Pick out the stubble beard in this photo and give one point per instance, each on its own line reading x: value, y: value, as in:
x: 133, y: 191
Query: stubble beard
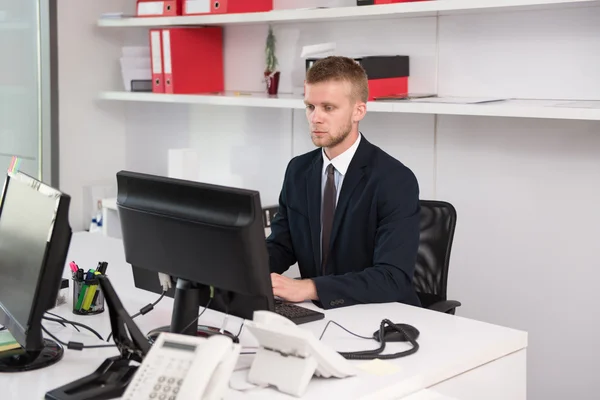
x: 336, y: 139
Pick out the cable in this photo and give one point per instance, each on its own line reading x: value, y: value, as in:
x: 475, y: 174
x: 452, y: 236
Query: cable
x: 240, y: 331
x: 75, y: 323
x: 376, y: 353
x: 143, y: 311
x: 148, y: 307
x: 64, y: 319
x: 76, y: 345
x: 224, y: 319
x: 198, y: 317
x: 212, y: 295
x: 352, y: 333
x: 60, y: 322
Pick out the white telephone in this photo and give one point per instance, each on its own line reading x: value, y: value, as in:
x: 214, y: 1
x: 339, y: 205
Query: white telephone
x: 186, y: 368
x: 288, y: 356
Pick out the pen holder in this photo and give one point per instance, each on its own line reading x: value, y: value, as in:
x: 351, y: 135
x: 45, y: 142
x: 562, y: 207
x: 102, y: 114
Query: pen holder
x: 88, y: 298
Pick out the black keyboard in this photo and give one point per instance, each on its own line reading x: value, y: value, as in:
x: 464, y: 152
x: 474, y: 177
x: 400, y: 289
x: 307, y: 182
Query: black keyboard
x: 298, y: 315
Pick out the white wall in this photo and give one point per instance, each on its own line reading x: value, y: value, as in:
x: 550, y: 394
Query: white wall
x: 524, y: 189
x: 92, y: 140
x: 526, y: 246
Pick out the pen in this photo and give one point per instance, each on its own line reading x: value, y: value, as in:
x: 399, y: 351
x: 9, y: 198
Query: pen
x: 89, y: 296
x: 73, y: 267
x: 81, y: 297
x: 96, y: 294
x: 89, y: 275
x: 102, y: 267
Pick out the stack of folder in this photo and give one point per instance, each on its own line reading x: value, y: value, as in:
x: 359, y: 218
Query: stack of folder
x: 187, y: 60
x: 135, y: 68
x: 171, y: 8
x: 156, y: 8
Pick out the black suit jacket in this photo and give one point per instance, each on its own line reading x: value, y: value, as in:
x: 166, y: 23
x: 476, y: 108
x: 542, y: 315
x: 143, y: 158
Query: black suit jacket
x: 375, y: 232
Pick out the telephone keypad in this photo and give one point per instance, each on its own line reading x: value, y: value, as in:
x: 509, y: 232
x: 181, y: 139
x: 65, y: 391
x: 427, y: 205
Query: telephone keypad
x: 162, y: 376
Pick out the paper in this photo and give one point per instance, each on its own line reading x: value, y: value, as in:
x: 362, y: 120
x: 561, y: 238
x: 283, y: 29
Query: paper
x: 427, y: 394
x: 135, y: 65
x: 303, y: 8
x: 116, y: 15
x: 457, y: 100
x: 321, y: 49
x: 406, y: 96
x: 531, y: 102
x: 379, y: 367
x: 580, y: 104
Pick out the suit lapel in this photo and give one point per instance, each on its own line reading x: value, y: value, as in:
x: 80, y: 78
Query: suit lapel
x: 313, y: 190
x: 355, y: 174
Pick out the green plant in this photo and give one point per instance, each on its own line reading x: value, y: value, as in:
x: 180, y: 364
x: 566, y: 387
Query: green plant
x: 271, y: 58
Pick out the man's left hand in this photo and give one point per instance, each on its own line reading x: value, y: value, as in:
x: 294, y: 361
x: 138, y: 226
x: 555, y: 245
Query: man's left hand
x: 293, y: 290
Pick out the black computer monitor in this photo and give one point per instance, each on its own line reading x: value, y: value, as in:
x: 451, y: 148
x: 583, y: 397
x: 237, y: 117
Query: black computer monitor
x: 200, y: 234
x: 34, y: 241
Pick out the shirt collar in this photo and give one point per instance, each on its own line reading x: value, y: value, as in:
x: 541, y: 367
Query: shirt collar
x: 341, y: 162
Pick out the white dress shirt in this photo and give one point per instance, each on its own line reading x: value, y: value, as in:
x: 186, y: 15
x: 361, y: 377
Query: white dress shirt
x: 340, y: 165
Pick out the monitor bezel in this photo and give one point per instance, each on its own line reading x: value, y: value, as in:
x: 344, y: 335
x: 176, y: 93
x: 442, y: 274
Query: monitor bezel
x: 30, y: 336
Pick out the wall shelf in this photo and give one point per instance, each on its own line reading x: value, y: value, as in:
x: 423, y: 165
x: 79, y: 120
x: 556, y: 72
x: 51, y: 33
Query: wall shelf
x: 548, y: 109
x: 399, y: 10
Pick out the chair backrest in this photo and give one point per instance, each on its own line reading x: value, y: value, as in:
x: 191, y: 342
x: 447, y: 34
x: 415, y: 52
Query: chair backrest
x: 438, y: 221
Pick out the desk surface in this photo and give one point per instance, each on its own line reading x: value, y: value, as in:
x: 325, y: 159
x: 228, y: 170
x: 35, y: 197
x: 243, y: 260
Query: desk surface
x: 449, y: 345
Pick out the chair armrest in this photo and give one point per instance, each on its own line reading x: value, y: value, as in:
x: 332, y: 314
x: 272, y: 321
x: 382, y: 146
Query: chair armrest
x: 446, y: 306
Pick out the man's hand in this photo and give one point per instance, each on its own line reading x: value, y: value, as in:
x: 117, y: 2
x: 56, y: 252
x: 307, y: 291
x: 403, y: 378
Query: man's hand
x: 293, y: 290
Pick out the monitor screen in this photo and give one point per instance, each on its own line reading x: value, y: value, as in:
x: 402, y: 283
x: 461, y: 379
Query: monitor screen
x: 27, y: 215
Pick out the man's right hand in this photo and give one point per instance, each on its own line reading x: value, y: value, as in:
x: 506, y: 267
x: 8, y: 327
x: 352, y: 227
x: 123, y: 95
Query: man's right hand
x: 293, y: 290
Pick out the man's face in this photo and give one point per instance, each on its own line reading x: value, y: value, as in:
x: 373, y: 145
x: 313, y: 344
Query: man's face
x: 329, y: 110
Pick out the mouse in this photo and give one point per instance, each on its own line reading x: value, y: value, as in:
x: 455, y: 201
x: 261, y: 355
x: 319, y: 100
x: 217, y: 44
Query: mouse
x: 392, y: 335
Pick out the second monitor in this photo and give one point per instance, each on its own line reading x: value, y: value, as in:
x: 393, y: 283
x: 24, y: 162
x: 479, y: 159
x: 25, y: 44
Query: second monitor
x: 204, y: 236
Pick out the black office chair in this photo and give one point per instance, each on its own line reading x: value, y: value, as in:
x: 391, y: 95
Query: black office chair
x: 438, y: 220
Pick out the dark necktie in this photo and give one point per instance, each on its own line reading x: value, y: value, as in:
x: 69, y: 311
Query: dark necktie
x: 329, y: 197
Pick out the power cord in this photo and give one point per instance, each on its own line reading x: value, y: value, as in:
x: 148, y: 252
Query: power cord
x: 237, y: 337
x: 241, y: 328
x: 76, y: 345
x: 212, y: 295
x: 63, y: 319
x: 198, y: 317
x: 74, y: 324
x: 143, y: 311
x: 376, y: 353
x: 148, y: 307
x: 335, y: 323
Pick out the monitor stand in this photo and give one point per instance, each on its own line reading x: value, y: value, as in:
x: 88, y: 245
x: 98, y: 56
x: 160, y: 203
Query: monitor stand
x: 31, y: 360
x: 187, y: 301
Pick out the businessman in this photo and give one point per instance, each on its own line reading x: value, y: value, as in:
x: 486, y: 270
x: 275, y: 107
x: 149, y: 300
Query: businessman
x: 348, y: 212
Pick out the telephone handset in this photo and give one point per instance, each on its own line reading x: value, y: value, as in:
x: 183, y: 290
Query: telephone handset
x: 185, y: 367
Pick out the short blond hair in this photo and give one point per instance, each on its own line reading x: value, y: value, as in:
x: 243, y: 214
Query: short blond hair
x: 338, y: 68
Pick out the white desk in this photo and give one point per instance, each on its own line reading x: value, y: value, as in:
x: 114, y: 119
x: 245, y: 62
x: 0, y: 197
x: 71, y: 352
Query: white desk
x: 458, y: 357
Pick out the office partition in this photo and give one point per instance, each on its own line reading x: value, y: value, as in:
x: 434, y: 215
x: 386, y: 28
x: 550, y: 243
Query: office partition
x: 28, y: 87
